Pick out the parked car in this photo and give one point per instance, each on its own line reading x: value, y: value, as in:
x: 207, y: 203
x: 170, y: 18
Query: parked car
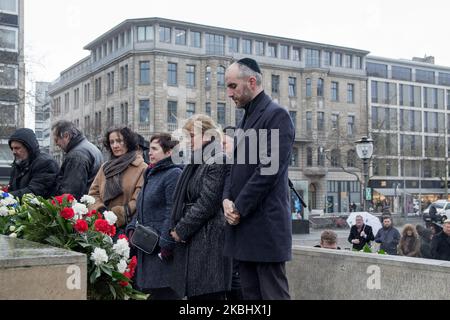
x: 442, y: 211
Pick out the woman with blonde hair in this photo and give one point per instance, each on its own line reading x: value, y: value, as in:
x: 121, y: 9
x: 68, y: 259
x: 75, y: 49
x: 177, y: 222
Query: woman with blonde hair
x: 201, y: 272
x: 409, y: 244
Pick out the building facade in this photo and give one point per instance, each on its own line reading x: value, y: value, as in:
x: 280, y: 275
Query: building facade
x: 410, y: 123
x: 42, y: 108
x: 12, y: 75
x: 152, y: 73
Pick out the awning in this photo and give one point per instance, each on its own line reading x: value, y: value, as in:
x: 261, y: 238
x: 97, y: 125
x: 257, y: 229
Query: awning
x: 390, y: 192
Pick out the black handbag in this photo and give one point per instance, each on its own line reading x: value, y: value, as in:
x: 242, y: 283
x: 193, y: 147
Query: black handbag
x: 145, y: 238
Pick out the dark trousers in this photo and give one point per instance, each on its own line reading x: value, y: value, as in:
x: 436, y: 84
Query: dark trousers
x: 236, y: 292
x: 162, y: 294
x: 264, y: 281
x: 209, y: 297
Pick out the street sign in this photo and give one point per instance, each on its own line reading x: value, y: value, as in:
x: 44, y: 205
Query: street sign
x: 368, y: 194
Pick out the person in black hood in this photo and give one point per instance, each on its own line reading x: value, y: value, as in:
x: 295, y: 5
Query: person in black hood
x: 81, y: 163
x: 33, y: 171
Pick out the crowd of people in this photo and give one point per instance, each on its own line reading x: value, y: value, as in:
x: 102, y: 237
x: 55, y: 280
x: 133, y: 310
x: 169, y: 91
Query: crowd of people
x: 224, y: 229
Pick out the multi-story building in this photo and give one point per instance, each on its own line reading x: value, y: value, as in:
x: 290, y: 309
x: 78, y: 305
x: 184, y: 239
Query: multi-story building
x: 151, y: 73
x: 42, y: 116
x: 410, y: 123
x: 12, y: 74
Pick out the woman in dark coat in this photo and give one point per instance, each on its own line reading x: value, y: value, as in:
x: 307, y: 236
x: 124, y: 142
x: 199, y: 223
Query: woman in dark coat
x: 201, y: 271
x: 409, y: 244
x: 154, y: 207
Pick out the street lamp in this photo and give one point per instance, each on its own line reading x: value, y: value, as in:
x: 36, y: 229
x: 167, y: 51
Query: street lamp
x: 364, y: 149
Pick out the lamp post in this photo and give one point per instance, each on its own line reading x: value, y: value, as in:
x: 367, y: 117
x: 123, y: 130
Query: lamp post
x: 364, y: 149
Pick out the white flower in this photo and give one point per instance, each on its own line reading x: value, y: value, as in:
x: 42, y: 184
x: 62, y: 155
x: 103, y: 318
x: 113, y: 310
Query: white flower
x: 99, y: 256
x: 122, y: 266
x: 110, y: 217
x: 12, y: 229
x: 79, y: 209
x: 8, y: 201
x: 13, y: 235
x: 88, y: 200
x: 122, y: 248
x: 4, y: 212
x: 35, y: 201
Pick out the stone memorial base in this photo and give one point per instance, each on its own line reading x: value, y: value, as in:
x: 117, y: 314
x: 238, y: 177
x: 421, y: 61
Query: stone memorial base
x: 32, y: 271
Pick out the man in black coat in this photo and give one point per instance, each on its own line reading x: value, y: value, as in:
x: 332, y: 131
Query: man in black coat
x: 33, y: 171
x: 256, y: 196
x: 440, y: 245
x: 81, y: 161
x: 360, y: 234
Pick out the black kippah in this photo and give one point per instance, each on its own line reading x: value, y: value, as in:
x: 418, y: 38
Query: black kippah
x: 252, y: 64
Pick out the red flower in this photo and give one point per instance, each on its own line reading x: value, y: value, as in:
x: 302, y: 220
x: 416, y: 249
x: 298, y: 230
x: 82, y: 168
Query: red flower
x: 60, y: 199
x: 103, y: 226
x: 122, y: 236
x: 132, y: 265
x: 81, y: 226
x: 125, y: 283
x: 67, y: 213
x: 5, y: 188
x: 92, y: 213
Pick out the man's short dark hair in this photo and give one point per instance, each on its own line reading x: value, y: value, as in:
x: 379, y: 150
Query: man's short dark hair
x: 63, y: 126
x: 129, y: 137
x: 165, y: 140
x: 328, y: 236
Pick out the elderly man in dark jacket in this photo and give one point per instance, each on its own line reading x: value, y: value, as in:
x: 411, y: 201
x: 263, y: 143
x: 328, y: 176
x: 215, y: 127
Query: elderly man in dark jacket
x: 256, y: 197
x: 33, y: 171
x: 81, y: 162
x: 440, y: 245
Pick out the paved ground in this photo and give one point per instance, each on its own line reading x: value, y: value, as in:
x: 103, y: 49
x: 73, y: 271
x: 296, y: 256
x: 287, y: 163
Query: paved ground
x: 312, y: 239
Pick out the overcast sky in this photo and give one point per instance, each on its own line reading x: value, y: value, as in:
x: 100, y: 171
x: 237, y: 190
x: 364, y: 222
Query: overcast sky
x: 56, y: 31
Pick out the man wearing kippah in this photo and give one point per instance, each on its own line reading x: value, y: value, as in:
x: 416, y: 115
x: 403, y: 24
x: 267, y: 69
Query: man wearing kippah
x: 256, y: 203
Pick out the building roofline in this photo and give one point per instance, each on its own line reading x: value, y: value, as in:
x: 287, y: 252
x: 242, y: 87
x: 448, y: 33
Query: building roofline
x: 407, y: 62
x: 75, y: 64
x: 127, y: 22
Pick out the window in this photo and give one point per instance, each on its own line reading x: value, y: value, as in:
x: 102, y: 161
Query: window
x: 308, y: 121
x: 272, y: 50
x: 196, y: 39
x: 110, y: 77
x: 221, y: 114
x: 444, y: 79
x: 124, y: 76
x: 293, y: 115
x: 312, y: 58
x: 320, y: 121
x: 144, y: 72
x: 335, y: 158
x: 296, y: 54
x: 320, y: 84
x: 246, y: 46
x: 144, y: 111
x: 401, y: 73
x: 110, y: 117
x: 335, y: 122
x: 309, y: 157
x: 221, y: 76
x: 374, y: 88
x: 424, y: 76
x: 145, y: 33
x: 348, y: 61
x: 215, y: 44
x: 9, y: 6
x: 164, y: 34
x: 190, y: 76
x: 327, y: 59
x: 172, y: 74
x: 233, y: 45
x: 180, y: 37
x: 338, y: 59
x: 98, y: 88
x: 308, y: 88
x: 76, y: 98
x: 172, y: 112
x: 284, y: 52
x: 9, y: 39
x: 124, y: 113
x: 376, y: 70
x: 87, y: 93
x: 8, y: 76
x: 259, y: 48
x: 334, y: 91
x: 208, y: 77
x: 351, y: 126
x: 190, y: 109
x: 358, y: 62
x: 292, y: 87
x: 275, y: 84
x: 294, y: 158
x: 320, y: 157
x: 350, y: 93
x: 208, y: 108
x: 66, y: 102
x: 351, y: 159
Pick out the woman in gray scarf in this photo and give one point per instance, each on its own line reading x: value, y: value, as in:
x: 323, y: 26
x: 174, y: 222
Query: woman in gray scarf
x: 119, y: 181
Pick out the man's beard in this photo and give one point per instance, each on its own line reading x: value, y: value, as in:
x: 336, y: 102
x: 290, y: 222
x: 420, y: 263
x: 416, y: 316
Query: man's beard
x: 18, y: 161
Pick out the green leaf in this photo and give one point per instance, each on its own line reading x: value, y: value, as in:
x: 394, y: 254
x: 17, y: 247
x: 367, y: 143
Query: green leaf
x: 107, y: 269
x: 113, y: 291
x: 381, y: 251
x: 119, y: 276
x: 367, y: 249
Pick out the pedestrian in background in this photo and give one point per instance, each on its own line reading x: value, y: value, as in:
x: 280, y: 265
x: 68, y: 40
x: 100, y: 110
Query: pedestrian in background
x: 388, y: 237
x: 82, y: 160
x: 440, y: 245
x: 119, y: 181
x: 425, y: 241
x: 409, y: 242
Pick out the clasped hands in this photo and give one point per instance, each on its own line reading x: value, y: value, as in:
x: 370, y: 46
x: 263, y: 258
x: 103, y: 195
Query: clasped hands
x: 232, y: 216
